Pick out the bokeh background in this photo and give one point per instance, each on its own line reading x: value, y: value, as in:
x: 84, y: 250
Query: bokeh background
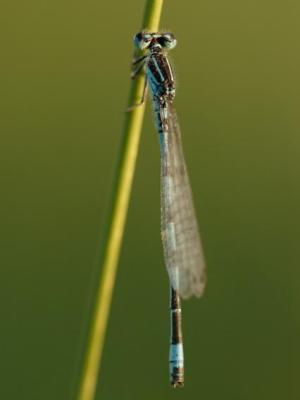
x: 64, y: 87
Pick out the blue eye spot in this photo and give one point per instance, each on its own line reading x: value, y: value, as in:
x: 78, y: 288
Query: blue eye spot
x: 167, y: 40
x: 142, y: 40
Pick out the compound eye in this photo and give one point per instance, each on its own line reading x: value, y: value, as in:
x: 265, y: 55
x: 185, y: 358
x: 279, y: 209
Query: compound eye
x: 167, y: 40
x: 142, y: 40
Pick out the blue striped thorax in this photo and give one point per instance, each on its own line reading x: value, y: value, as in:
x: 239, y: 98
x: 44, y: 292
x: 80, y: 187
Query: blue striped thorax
x: 159, y: 73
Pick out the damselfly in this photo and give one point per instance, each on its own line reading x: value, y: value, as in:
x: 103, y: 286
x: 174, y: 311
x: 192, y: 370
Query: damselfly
x: 180, y: 236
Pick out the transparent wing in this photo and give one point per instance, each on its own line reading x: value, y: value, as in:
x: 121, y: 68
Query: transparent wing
x: 180, y: 235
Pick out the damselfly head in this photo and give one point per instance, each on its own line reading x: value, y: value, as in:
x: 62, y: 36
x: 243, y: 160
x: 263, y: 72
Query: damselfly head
x: 144, y: 40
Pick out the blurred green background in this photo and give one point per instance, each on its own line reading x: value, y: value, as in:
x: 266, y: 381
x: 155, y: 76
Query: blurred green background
x: 64, y: 86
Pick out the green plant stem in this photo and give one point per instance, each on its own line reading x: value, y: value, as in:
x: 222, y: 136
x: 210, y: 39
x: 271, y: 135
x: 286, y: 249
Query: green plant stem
x: 116, y: 223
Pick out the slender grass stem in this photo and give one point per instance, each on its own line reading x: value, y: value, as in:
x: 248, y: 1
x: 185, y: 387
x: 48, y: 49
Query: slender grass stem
x: 116, y: 222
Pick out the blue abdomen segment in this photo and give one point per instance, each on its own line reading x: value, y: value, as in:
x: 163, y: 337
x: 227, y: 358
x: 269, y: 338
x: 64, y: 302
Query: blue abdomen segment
x: 176, y: 362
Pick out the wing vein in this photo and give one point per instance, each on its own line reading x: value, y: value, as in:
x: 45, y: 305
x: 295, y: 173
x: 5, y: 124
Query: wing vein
x: 180, y: 235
